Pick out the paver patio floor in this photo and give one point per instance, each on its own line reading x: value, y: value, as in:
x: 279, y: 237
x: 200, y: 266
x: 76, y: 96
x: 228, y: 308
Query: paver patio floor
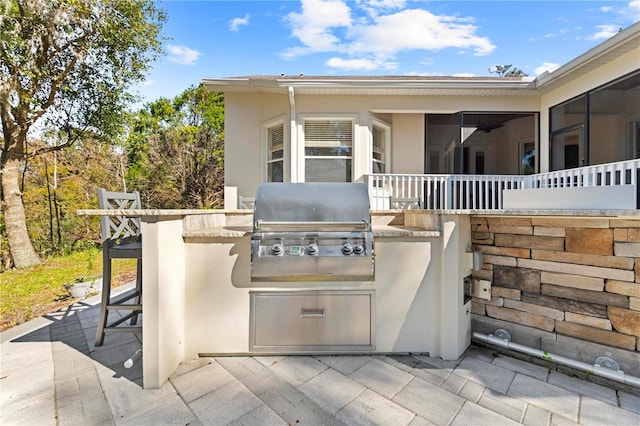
x: 51, y: 373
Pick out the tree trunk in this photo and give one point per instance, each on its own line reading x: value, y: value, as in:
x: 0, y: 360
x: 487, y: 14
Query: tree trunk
x: 20, y: 246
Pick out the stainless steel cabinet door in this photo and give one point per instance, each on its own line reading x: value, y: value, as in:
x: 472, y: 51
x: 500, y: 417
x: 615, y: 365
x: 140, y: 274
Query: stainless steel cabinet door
x: 315, y: 320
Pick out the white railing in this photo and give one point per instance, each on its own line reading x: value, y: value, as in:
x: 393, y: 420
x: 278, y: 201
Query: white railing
x: 484, y: 192
x: 620, y: 173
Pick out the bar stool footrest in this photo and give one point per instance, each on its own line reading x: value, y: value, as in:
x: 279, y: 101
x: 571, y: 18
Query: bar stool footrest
x: 127, y: 329
x: 132, y: 307
x: 120, y: 300
x: 121, y: 320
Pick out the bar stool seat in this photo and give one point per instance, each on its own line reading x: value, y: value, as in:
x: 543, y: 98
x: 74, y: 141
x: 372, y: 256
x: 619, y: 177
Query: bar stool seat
x: 121, y: 239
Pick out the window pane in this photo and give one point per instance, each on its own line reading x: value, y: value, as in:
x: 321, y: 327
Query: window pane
x: 328, y: 138
x: 276, y: 172
x: 276, y: 155
x: 327, y: 152
x: 379, y: 142
x: 378, y: 167
x: 568, y: 114
x: 328, y: 133
x: 328, y: 170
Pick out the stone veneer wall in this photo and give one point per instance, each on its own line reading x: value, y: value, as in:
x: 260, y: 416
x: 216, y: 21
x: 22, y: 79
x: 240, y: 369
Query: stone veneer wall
x: 568, y: 285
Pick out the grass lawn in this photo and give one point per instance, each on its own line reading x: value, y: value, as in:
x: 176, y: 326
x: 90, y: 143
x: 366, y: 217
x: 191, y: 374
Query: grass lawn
x: 36, y: 291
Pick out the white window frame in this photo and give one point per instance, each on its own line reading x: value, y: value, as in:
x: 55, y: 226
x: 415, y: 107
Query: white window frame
x: 266, y: 149
x: 302, y: 157
x: 386, y: 127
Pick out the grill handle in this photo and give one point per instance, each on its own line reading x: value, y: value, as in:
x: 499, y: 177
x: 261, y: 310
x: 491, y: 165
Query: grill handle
x: 312, y: 313
x: 311, y: 225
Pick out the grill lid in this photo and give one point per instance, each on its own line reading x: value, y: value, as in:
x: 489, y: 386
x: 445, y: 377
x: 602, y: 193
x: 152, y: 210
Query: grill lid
x: 312, y: 205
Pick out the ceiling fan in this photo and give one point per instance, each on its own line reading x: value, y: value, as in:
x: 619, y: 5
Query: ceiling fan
x: 487, y: 128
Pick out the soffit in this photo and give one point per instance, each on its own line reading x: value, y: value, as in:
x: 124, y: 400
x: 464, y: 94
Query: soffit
x: 377, y: 86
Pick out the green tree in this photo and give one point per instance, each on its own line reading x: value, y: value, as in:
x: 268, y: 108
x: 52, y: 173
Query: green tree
x: 66, y: 66
x: 507, y: 71
x: 59, y: 183
x: 176, y: 151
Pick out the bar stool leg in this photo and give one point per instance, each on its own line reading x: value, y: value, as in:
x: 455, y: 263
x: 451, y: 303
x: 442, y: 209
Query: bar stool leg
x: 138, y: 299
x: 106, y: 295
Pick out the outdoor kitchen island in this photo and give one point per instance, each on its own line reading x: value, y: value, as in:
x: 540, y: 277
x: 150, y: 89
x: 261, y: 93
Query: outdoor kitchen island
x: 198, y: 295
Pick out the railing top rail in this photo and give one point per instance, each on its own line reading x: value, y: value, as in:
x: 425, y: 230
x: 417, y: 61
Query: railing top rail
x: 441, y: 175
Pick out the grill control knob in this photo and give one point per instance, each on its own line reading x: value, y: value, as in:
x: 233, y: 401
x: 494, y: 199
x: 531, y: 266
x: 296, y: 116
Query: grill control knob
x: 358, y: 249
x: 277, y: 249
x: 347, y: 249
x: 312, y: 249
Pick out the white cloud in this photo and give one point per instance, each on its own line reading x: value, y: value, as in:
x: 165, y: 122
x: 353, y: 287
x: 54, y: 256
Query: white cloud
x: 374, y: 7
x: 632, y: 11
x: 385, y: 4
x: 182, y: 55
x: 546, y: 66
x: 235, y: 23
x: 606, y: 9
x: 418, y: 29
x: 313, y: 26
x: 557, y: 34
x: 606, y: 31
x: 361, y: 64
x: 332, y: 26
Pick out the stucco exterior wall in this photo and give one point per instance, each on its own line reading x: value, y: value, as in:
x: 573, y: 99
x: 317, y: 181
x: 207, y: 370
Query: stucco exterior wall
x: 247, y: 113
x: 407, y: 143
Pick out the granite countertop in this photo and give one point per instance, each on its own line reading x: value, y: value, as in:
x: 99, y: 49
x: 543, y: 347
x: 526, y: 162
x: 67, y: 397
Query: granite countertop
x: 245, y: 231
x: 146, y: 212
x: 544, y: 212
x: 190, y: 212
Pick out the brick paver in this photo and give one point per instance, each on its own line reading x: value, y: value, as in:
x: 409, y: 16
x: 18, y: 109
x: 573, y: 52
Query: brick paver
x: 51, y: 373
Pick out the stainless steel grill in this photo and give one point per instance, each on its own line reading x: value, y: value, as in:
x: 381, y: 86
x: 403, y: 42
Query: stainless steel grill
x: 312, y: 232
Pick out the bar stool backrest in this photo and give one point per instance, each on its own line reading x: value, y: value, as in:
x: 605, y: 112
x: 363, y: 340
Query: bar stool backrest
x: 119, y: 229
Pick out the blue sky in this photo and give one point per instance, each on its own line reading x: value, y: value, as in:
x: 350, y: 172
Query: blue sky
x: 375, y: 37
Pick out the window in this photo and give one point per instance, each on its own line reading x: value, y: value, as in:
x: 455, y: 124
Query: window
x: 527, y: 157
x: 593, y: 128
x: 379, y: 151
x: 275, y: 153
x: 328, y: 150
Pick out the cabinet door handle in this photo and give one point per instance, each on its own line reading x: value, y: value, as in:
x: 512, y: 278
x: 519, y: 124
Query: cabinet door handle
x: 312, y: 313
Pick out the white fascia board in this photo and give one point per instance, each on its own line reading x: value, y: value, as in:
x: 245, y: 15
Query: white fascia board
x: 328, y: 83
x: 407, y: 84
x: 242, y: 84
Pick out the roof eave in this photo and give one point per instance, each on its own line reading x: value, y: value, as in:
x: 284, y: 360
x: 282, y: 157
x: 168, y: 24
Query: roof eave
x: 246, y: 84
